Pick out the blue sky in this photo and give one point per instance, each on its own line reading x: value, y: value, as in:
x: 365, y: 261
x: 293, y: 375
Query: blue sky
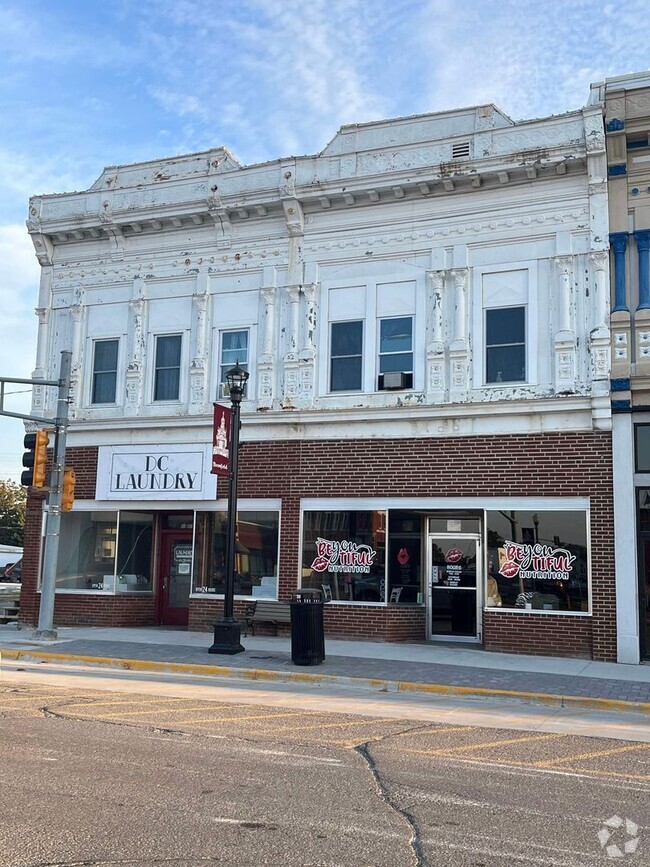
x: 87, y: 84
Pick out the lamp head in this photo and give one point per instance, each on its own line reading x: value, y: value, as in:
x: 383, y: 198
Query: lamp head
x: 236, y: 379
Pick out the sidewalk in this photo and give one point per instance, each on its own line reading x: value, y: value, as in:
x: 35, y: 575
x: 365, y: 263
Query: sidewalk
x: 420, y: 667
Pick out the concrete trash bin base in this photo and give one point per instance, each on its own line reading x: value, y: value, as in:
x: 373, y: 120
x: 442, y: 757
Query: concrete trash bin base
x: 307, y: 629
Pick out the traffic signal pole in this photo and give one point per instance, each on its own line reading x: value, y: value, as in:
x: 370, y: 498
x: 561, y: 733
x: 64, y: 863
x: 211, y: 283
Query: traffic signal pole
x: 53, y: 516
x: 53, y: 509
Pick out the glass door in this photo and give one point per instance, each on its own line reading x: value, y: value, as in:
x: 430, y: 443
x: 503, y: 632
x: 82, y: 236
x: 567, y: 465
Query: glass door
x: 175, y: 577
x: 454, y: 582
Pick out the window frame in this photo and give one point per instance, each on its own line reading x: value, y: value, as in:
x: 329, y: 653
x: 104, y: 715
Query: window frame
x: 486, y: 347
x: 534, y: 365
x: 95, y: 342
x: 409, y: 373
x: 359, y: 355
x: 220, y: 365
x: 155, y: 368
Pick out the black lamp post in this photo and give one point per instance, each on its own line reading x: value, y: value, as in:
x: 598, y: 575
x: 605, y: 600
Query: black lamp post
x: 227, y: 631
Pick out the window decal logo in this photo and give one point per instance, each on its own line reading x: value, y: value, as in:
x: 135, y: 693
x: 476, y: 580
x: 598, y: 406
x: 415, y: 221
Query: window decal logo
x: 342, y: 557
x: 535, y: 562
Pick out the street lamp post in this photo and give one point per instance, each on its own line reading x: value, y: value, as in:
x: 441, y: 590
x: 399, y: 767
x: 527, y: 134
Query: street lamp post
x: 227, y: 631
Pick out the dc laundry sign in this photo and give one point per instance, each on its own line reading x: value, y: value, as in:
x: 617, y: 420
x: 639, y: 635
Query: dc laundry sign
x: 154, y: 473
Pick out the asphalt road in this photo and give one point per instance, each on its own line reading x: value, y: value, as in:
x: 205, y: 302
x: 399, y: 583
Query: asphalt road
x: 91, y: 777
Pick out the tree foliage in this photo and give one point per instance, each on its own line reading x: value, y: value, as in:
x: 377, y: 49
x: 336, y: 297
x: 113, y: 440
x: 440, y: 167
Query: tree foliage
x: 13, y: 502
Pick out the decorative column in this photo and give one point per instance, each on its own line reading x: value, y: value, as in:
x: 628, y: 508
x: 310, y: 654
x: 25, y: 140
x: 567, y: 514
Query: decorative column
x: 643, y: 248
x: 77, y: 312
x: 199, y: 360
x: 38, y: 391
x: 564, y: 342
x: 136, y: 346
x: 291, y: 363
x: 599, y: 338
x: 458, y: 349
x: 642, y: 315
x: 436, y: 374
x: 619, y: 242
x: 308, y: 353
x: 266, y: 365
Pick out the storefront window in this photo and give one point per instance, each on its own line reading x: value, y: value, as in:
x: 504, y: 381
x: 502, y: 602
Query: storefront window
x: 537, y: 560
x: 344, y: 555
x: 134, y: 552
x: 87, y: 549
x: 404, y: 557
x: 256, y: 554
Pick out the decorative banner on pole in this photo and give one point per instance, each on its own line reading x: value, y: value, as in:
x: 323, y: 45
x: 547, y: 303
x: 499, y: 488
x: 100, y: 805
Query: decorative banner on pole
x: 221, y: 440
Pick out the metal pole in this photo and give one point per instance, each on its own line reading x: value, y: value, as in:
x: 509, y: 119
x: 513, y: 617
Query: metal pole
x: 227, y: 631
x: 231, y: 542
x: 53, y: 514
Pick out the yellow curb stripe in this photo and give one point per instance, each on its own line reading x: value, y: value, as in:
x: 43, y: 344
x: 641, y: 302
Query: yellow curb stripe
x: 549, y: 763
x: 604, y: 704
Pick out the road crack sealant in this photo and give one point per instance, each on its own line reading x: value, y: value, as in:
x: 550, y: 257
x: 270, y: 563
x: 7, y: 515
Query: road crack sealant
x: 415, y: 840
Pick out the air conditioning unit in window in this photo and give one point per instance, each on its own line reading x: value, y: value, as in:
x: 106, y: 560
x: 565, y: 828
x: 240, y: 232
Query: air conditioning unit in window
x: 390, y: 381
x: 224, y: 389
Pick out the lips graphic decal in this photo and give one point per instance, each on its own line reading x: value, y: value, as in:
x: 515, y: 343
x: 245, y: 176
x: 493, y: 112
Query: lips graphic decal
x: 320, y: 564
x: 509, y: 569
x: 454, y: 555
x: 403, y: 556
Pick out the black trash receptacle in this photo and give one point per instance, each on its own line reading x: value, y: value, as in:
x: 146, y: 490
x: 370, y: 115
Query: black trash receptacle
x: 307, y: 630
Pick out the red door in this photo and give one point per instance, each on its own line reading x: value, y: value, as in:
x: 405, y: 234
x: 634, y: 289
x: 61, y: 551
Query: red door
x: 175, y: 577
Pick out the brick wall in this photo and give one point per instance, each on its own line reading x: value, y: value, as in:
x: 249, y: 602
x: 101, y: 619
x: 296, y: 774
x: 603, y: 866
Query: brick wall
x: 541, y: 465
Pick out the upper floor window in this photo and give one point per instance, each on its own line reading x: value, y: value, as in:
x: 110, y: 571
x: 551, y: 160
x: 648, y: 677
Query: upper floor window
x: 346, y: 355
x: 396, y: 352
x: 104, y: 382
x: 505, y: 344
x: 167, y: 367
x: 234, y: 350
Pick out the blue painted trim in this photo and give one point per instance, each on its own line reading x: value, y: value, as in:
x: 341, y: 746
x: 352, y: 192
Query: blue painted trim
x: 621, y: 404
x: 618, y: 241
x: 620, y: 384
x: 642, y: 239
x: 615, y: 125
x: 613, y: 171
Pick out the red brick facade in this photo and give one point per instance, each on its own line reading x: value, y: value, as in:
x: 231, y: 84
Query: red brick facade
x: 539, y: 465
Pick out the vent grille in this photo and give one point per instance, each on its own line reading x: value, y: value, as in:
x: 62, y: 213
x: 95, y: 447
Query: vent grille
x: 460, y: 150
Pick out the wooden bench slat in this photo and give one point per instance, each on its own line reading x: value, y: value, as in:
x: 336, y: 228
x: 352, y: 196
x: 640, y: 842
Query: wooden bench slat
x: 267, y: 611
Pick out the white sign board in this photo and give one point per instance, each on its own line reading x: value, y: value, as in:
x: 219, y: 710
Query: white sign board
x: 178, y: 472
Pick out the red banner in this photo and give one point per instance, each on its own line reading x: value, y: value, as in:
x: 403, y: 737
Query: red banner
x: 221, y: 440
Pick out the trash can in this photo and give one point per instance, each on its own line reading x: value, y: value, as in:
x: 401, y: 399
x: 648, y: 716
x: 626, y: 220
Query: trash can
x: 307, y: 631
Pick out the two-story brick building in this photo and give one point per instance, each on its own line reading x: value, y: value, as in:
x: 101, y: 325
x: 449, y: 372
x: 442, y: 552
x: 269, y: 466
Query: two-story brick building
x: 423, y: 311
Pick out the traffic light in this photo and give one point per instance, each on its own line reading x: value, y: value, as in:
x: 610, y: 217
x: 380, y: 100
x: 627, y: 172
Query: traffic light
x: 35, y: 459
x: 67, y: 494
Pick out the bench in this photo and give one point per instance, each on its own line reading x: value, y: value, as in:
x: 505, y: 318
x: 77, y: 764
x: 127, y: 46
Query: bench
x: 267, y: 611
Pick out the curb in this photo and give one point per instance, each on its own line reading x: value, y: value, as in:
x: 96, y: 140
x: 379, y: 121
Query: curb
x: 379, y: 684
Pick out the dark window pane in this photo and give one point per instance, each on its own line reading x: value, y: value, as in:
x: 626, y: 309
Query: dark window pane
x: 346, y: 374
x: 506, y: 364
x: 401, y: 362
x: 104, y: 388
x: 105, y: 355
x: 396, y: 335
x: 347, y: 338
x: 234, y: 350
x: 167, y: 384
x: 642, y: 434
x: 505, y: 325
x: 168, y: 351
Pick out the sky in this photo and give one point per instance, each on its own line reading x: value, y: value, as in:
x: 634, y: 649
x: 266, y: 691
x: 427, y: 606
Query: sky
x: 86, y: 84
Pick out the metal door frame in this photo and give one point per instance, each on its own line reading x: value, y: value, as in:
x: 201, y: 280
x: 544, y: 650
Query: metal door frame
x: 467, y: 639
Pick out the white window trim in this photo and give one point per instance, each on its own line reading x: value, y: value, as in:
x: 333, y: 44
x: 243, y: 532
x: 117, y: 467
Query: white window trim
x: 363, y: 357
x: 249, y: 366
x: 183, y: 333
x: 531, y: 323
x: 119, y: 378
x: 378, y: 321
x: 215, y: 375
x: 370, y: 358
